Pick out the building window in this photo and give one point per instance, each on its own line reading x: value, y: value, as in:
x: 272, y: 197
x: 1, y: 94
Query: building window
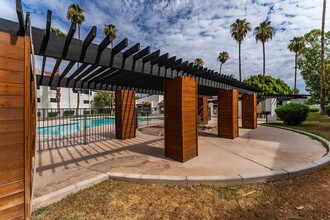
x: 52, y: 88
x: 86, y: 101
x: 86, y: 92
x: 90, y: 92
x: 52, y: 99
x: 38, y: 99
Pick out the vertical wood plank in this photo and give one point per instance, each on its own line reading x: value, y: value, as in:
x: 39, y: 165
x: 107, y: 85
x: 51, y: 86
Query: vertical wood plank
x: 180, y: 105
x: 249, y: 111
x: 203, y: 110
x: 125, y: 114
x: 228, y: 114
x: 27, y: 127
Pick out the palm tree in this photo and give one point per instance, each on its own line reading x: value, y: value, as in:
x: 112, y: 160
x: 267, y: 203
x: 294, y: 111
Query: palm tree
x: 110, y: 29
x: 222, y: 58
x: 198, y: 62
x: 322, y: 86
x: 264, y: 32
x: 296, y: 44
x: 76, y: 14
x: 58, y: 89
x: 239, y: 30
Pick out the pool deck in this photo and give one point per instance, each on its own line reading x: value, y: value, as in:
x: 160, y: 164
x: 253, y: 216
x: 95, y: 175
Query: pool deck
x: 258, y: 155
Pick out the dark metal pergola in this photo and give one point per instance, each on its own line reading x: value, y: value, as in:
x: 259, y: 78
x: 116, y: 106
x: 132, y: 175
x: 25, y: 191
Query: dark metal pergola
x: 103, y: 68
x: 281, y: 97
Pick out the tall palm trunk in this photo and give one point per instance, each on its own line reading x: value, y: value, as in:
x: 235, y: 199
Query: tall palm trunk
x: 239, y: 62
x: 78, y: 95
x: 263, y: 69
x: 220, y: 67
x: 295, y: 75
x: 322, y: 88
x: 58, y: 100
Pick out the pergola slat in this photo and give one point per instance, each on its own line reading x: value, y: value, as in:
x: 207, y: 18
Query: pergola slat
x: 42, y: 70
x: 65, y: 72
x: 141, y: 53
x: 48, y: 24
x: 56, y: 66
x: 159, y: 59
x: 151, y: 56
x: 77, y: 72
x: 20, y: 17
x: 131, y: 50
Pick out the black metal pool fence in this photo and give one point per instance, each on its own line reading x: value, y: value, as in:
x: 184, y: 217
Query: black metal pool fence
x: 65, y: 127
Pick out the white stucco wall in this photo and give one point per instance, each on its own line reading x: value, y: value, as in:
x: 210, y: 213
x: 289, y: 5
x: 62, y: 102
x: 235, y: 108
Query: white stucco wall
x: 68, y: 98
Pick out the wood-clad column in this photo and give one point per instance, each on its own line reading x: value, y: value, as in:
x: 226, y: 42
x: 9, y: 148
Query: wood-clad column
x: 249, y: 111
x: 15, y: 127
x: 228, y: 113
x: 125, y: 114
x: 203, y: 110
x: 180, y: 114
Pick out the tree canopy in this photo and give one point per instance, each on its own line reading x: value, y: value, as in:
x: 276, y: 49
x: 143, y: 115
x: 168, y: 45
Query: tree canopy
x: 102, y: 99
x: 309, y: 63
x: 273, y: 86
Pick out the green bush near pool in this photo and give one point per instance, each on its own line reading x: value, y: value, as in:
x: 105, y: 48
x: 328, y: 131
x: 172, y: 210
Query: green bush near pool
x: 292, y: 114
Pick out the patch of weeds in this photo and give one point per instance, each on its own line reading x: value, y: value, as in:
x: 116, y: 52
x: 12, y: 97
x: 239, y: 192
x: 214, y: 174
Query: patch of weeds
x: 228, y: 193
x: 40, y: 211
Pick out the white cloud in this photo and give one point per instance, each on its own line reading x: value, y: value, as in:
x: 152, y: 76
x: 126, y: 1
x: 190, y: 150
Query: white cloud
x: 193, y: 28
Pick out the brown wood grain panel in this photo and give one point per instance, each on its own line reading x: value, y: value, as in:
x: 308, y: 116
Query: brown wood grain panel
x: 7, y: 76
x: 11, y: 64
x: 11, y: 114
x: 125, y: 114
x: 14, y: 107
x: 11, y: 126
x: 11, y: 101
x: 15, y: 212
x: 11, y: 89
x: 12, y: 200
x: 11, y: 188
x: 10, y: 39
x: 249, y: 111
x: 180, y: 118
x: 228, y: 114
x: 16, y: 138
x: 10, y: 51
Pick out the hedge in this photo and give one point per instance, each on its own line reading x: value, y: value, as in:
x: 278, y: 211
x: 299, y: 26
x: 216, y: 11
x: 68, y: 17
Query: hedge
x: 292, y: 114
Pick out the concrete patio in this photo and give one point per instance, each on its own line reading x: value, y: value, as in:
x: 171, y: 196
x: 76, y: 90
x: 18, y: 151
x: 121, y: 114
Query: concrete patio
x: 262, y: 154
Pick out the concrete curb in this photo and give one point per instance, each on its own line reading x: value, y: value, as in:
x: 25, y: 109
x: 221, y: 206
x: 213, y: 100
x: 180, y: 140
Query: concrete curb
x: 193, y: 180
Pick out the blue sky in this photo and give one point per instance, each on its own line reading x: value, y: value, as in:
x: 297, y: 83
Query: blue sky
x: 193, y: 28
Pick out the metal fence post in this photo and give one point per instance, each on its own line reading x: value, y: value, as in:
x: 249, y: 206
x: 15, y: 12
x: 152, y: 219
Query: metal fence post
x: 85, y: 128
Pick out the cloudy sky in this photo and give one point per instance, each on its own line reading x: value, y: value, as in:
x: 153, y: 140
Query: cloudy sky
x: 193, y: 28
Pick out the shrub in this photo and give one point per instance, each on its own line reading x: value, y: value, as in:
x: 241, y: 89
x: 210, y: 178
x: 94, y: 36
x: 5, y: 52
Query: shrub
x: 68, y: 112
x: 52, y: 114
x: 314, y: 109
x: 145, y: 113
x: 292, y: 114
x: 327, y: 109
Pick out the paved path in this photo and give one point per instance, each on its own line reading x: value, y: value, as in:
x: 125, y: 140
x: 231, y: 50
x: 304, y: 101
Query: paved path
x: 260, y: 152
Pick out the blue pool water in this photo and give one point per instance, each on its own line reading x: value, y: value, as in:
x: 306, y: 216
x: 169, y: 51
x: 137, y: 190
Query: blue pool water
x: 79, y: 125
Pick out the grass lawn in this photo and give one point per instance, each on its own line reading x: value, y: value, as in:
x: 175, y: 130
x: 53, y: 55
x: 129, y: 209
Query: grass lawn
x: 304, y: 197
x: 316, y: 123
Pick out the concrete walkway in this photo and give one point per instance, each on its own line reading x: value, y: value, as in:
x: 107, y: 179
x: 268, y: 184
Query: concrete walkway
x: 265, y: 153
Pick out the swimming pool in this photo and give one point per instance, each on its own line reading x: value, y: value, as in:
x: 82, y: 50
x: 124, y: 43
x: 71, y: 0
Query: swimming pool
x: 79, y: 124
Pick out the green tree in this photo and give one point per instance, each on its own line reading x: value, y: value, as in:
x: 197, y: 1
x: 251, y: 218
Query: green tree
x: 222, y: 58
x: 309, y: 63
x: 110, y: 29
x: 57, y: 31
x: 273, y: 86
x: 76, y: 14
x: 238, y: 31
x: 322, y: 83
x: 296, y: 44
x: 198, y: 62
x: 264, y: 32
x: 102, y: 99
